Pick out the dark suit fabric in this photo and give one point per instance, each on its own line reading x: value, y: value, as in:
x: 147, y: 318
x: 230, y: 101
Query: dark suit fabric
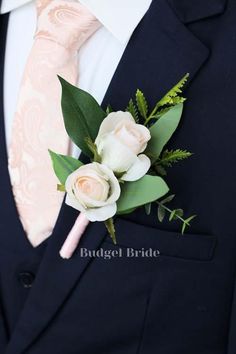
x: 183, y: 301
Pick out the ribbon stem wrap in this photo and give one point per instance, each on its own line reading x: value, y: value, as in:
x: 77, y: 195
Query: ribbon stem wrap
x: 73, y: 238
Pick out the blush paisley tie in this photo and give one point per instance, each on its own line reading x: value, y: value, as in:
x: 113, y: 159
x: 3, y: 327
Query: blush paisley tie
x: 62, y: 28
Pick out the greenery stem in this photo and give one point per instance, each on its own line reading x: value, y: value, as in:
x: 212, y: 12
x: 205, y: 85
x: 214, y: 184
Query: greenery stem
x: 170, y: 211
x: 185, y: 222
x: 152, y: 115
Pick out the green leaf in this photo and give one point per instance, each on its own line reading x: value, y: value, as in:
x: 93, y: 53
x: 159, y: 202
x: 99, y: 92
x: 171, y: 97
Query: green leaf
x: 179, y: 213
x: 168, y: 199
x: 190, y: 219
x: 161, y: 212
x: 111, y: 229
x: 168, y: 158
x: 64, y: 165
x: 125, y: 212
x: 148, y: 208
x: 160, y: 170
x: 132, y: 109
x: 82, y: 115
x: 175, y: 214
x: 187, y: 223
x: 162, y: 131
x: 138, y: 193
x: 142, y: 104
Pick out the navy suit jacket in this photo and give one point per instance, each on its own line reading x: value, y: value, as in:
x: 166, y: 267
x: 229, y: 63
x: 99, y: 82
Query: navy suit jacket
x: 183, y: 301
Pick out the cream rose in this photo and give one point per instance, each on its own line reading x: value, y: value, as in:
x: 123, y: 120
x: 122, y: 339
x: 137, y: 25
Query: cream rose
x: 120, y: 142
x: 93, y: 189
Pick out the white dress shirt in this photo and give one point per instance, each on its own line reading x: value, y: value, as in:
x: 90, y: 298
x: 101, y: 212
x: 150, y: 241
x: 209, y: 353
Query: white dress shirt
x: 98, y: 58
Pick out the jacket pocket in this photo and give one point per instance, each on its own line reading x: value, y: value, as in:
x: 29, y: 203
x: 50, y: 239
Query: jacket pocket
x: 173, y: 244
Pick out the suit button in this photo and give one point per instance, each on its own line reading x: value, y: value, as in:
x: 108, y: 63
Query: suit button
x: 26, y: 279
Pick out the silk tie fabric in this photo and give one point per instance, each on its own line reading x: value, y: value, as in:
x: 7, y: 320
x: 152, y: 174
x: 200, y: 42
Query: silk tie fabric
x: 62, y: 28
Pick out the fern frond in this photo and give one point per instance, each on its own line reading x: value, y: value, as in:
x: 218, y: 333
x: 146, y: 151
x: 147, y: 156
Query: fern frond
x: 172, y: 98
x: 163, y: 110
x: 177, y: 100
x: 173, y: 93
x: 142, y: 104
x: 132, y: 109
x: 168, y: 158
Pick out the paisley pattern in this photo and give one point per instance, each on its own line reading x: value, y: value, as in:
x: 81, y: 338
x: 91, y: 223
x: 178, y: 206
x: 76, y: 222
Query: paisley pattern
x: 63, y: 26
x: 60, y: 24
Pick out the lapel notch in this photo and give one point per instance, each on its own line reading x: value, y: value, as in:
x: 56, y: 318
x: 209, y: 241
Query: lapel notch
x: 195, y: 10
x: 161, y: 51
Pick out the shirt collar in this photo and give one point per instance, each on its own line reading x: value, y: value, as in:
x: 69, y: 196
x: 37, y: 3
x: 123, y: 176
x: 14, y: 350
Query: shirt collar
x: 9, y: 5
x: 120, y: 17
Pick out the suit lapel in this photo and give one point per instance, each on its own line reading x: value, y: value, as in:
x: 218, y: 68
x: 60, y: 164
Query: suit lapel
x: 190, y: 11
x: 160, y: 52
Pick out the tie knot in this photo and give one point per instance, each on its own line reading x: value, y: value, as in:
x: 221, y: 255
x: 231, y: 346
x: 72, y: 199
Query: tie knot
x: 65, y: 22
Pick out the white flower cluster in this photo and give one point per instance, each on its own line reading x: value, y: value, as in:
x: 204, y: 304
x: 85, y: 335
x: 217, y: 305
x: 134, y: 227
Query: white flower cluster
x: 94, y: 189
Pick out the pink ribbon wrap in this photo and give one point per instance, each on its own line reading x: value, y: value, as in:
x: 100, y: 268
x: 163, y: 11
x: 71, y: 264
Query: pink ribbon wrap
x: 73, y: 238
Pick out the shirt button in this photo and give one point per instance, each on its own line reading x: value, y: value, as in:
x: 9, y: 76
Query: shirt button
x: 26, y: 279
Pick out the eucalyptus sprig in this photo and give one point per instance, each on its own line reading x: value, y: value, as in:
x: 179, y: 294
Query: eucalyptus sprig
x: 174, y: 214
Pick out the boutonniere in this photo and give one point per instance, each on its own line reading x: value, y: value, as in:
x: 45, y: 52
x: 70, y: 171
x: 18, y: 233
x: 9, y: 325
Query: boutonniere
x: 128, y: 161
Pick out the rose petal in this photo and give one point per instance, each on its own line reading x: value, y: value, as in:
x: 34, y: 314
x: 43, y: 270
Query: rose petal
x: 94, y: 179
x: 111, y: 121
x: 115, y: 155
x: 81, y: 201
x: 101, y: 214
x: 73, y: 202
x: 145, y: 134
x: 94, y: 210
x: 138, y: 169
